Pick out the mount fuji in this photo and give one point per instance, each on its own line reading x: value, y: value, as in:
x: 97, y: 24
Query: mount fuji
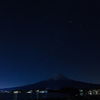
x: 55, y: 82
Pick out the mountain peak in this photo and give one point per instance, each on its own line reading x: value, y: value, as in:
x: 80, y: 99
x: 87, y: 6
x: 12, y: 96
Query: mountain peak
x: 57, y: 77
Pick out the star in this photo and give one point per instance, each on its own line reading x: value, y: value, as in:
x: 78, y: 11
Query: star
x: 70, y: 21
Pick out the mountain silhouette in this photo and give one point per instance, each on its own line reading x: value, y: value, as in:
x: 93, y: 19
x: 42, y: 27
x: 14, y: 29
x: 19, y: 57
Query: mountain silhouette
x: 55, y: 82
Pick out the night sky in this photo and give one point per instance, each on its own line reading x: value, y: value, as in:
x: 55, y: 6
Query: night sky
x: 39, y: 38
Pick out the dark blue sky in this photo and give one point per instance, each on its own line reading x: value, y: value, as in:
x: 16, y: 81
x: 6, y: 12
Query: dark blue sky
x: 39, y: 38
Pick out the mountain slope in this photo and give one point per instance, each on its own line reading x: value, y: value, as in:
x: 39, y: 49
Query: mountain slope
x: 55, y: 82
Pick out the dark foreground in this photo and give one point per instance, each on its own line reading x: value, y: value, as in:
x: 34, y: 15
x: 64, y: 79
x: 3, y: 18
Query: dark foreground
x: 74, y: 98
x: 49, y: 97
x: 67, y: 98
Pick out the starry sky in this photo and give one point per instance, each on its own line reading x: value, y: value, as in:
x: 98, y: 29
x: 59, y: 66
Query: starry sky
x: 39, y: 38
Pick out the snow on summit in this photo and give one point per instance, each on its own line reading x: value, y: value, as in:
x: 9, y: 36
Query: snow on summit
x: 57, y: 77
